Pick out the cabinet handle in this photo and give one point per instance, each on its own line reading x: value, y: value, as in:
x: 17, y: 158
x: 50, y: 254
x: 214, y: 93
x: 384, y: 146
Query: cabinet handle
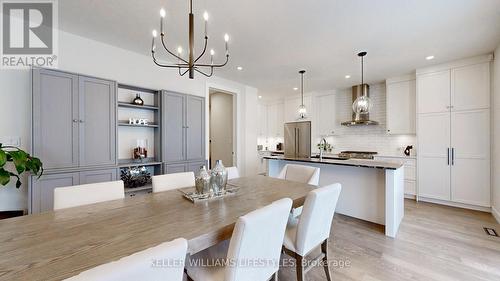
x: 75, y: 121
x: 81, y: 121
x: 453, y: 156
x: 448, y: 156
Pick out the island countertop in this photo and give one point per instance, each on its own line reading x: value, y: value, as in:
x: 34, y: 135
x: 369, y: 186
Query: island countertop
x: 364, y: 163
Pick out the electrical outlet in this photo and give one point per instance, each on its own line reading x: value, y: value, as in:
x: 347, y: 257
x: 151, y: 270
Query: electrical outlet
x: 11, y: 141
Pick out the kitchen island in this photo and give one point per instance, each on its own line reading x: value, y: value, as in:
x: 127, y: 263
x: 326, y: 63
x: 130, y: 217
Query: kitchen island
x: 371, y: 190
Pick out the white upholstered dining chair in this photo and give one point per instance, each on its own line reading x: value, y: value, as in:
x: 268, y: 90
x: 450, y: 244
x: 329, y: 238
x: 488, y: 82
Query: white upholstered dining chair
x: 172, y: 181
x: 257, y: 237
x: 300, y: 173
x: 232, y: 173
x: 312, y: 229
x: 78, y: 195
x: 162, y: 262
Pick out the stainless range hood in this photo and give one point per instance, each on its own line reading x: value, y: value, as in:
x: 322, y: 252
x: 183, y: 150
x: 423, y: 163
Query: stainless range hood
x: 360, y: 119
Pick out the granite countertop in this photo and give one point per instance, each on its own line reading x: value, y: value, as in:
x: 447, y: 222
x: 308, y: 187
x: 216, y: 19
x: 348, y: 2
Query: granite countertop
x: 349, y: 162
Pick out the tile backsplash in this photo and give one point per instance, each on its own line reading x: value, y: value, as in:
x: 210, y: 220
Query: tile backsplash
x: 367, y: 138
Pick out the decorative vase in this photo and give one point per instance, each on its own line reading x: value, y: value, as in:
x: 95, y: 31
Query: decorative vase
x: 138, y: 100
x: 218, y: 180
x: 202, y: 181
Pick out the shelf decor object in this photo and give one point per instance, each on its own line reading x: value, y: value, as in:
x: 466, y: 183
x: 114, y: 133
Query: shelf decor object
x: 135, y: 177
x: 302, y: 108
x: 138, y: 100
x: 141, y: 150
x: 191, y: 64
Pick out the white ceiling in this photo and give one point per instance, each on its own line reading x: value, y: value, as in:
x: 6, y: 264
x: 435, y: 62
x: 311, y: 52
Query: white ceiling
x: 272, y: 40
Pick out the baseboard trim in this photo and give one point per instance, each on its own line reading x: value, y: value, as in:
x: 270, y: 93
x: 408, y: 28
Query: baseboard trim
x: 454, y: 204
x: 495, y: 213
x: 410, y: 196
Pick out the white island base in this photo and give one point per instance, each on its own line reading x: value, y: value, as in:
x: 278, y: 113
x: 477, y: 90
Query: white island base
x: 372, y: 193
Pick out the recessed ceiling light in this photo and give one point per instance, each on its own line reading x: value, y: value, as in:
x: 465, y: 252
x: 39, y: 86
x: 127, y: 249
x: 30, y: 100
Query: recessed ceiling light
x: 429, y: 57
x: 260, y: 97
x: 295, y: 89
x: 239, y: 68
x: 347, y: 76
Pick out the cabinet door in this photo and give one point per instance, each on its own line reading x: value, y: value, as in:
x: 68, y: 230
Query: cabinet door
x: 55, y: 118
x: 42, y: 190
x: 401, y: 105
x: 433, y: 158
x: 280, y: 119
x: 262, y: 117
x: 433, y: 92
x: 325, y: 116
x: 175, y: 168
x: 88, y: 177
x: 470, y: 172
x: 173, y: 146
x: 97, y: 122
x: 471, y: 87
x: 272, y: 119
x: 195, y: 128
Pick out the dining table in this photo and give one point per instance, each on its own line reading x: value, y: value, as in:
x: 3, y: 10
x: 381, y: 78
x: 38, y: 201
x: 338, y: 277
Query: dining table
x: 56, y: 245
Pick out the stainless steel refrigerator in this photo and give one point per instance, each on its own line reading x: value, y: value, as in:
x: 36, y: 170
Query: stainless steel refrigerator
x: 298, y: 139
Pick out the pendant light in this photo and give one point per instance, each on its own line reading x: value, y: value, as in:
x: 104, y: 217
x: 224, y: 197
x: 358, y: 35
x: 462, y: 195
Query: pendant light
x: 302, y: 108
x: 362, y: 105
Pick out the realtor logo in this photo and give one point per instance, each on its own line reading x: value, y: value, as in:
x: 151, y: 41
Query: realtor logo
x: 29, y: 33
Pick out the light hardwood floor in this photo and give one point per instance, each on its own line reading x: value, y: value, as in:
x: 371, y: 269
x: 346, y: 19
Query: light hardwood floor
x: 434, y: 243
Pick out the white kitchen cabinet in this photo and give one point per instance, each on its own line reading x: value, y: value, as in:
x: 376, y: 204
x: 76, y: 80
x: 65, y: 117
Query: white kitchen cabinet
x: 433, y: 92
x: 470, y: 173
x: 262, y: 120
x: 325, y: 118
x: 292, y: 107
x: 275, y: 120
x: 410, y: 168
x: 401, y: 105
x: 470, y: 87
x: 454, y: 144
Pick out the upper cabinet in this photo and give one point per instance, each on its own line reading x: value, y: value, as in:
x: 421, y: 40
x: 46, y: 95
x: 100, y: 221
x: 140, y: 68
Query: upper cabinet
x: 470, y: 87
x: 325, y: 116
x: 262, y: 118
x: 184, y: 127
x: 401, y: 105
x: 275, y: 120
x: 292, y: 107
x: 74, y: 120
x: 434, y: 92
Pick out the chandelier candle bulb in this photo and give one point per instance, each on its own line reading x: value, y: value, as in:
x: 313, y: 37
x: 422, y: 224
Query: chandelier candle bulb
x: 205, y: 17
x: 162, y: 16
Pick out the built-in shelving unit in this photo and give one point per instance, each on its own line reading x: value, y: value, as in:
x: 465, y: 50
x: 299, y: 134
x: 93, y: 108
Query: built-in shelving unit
x: 128, y: 134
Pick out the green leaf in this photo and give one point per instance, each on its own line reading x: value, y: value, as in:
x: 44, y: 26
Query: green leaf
x: 3, y: 158
x: 19, y: 158
x: 4, y: 177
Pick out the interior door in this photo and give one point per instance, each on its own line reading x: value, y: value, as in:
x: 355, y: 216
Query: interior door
x: 434, y: 158
x: 55, y: 118
x: 470, y: 172
x: 433, y: 92
x: 97, y: 122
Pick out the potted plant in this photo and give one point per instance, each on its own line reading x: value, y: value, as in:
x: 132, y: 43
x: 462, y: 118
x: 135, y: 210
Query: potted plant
x: 22, y: 161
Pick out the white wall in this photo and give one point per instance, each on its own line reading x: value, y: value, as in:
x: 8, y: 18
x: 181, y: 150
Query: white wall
x: 496, y: 136
x: 85, y: 56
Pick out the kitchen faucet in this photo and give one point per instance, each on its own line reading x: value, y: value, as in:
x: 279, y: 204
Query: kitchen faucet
x: 322, y: 148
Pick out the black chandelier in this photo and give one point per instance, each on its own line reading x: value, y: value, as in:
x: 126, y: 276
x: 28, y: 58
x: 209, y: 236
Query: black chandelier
x: 190, y: 65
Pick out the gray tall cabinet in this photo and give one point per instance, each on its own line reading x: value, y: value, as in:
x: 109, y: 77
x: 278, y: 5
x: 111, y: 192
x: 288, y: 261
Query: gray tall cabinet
x: 74, y: 132
x: 183, y: 132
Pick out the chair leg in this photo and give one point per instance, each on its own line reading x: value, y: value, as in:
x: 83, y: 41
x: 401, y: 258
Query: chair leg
x: 324, y: 250
x: 300, y: 268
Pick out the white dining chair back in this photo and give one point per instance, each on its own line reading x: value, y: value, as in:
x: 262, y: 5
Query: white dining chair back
x: 316, y: 219
x: 232, y: 173
x: 258, y: 236
x: 300, y: 173
x: 162, y: 262
x: 72, y: 196
x: 172, y: 181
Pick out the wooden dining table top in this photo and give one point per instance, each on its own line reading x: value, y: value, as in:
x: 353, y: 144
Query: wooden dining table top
x: 59, y: 244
